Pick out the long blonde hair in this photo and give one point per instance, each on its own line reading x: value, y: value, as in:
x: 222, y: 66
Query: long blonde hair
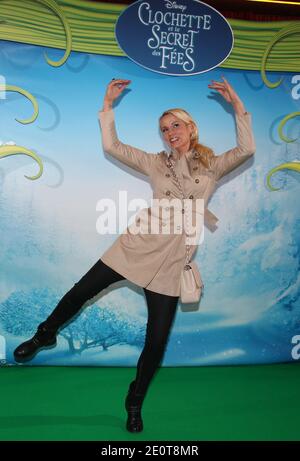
x: 205, y: 153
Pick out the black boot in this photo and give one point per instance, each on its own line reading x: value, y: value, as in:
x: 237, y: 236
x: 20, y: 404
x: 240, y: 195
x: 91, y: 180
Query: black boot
x: 42, y: 339
x: 133, y: 405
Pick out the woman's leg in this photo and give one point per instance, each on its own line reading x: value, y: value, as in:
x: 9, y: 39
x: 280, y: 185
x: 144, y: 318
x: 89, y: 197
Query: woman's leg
x: 161, y: 313
x: 100, y: 276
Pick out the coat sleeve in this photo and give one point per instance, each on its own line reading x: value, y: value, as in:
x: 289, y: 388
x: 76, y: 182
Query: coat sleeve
x: 245, y: 148
x: 136, y: 158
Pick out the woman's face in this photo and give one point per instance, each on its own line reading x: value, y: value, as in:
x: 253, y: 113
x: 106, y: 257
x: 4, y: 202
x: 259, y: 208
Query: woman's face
x: 176, y: 133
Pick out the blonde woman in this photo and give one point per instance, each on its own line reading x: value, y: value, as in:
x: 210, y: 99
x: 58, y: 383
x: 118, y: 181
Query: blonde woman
x: 153, y: 261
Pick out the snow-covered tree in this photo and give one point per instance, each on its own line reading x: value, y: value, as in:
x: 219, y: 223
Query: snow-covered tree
x: 98, y: 325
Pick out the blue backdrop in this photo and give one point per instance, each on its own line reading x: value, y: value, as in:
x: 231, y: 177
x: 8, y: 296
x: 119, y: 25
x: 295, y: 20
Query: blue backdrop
x: 250, y: 310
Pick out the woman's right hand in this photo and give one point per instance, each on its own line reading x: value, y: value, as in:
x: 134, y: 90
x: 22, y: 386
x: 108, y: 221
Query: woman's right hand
x: 113, y: 91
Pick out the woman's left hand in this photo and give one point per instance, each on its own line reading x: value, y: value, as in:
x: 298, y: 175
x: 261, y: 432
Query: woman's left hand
x: 226, y: 90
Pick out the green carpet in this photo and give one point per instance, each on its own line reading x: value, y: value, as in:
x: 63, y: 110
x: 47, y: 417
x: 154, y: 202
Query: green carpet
x: 190, y: 403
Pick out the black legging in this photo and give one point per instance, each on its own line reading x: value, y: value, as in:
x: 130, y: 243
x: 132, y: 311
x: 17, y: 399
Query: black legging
x: 161, y: 312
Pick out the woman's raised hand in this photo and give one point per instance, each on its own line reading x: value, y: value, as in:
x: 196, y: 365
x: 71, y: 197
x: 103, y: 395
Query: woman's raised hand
x: 114, y: 89
x: 226, y: 90
x: 229, y: 94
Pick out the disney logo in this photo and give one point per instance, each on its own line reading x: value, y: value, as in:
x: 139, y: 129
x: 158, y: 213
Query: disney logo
x: 174, y: 5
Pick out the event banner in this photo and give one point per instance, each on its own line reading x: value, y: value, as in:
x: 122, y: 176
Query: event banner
x: 57, y: 181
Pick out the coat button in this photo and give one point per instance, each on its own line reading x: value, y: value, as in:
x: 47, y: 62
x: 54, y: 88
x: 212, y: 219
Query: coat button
x: 191, y: 196
x: 168, y: 175
x: 182, y: 210
x: 168, y: 192
x: 195, y: 168
x: 197, y: 180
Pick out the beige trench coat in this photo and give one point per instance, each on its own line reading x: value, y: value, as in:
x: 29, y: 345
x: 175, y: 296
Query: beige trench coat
x: 154, y: 259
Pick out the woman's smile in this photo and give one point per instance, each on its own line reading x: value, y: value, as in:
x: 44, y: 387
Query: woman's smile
x: 176, y: 133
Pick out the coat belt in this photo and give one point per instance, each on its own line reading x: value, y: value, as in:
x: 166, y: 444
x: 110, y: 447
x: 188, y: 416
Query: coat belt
x: 210, y: 219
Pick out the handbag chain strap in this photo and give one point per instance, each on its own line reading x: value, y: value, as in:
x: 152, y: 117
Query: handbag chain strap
x: 187, y: 266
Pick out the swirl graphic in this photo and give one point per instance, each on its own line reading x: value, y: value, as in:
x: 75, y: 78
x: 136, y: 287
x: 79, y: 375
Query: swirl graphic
x: 7, y: 150
x: 4, y: 87
x: 52, y: 5
x: 288, y: 30
x: 283, y: 122
x: 295, y: 166
x: 292, y: 28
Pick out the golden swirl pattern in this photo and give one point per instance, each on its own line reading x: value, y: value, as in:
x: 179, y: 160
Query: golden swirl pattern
x: 7, y: 150
x: 283, y: 122
x: 288, y: 30
x: 4, y: 87
x: 294, y: 166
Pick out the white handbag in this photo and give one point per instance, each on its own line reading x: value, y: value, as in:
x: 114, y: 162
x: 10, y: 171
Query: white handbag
x: 191, y: 284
